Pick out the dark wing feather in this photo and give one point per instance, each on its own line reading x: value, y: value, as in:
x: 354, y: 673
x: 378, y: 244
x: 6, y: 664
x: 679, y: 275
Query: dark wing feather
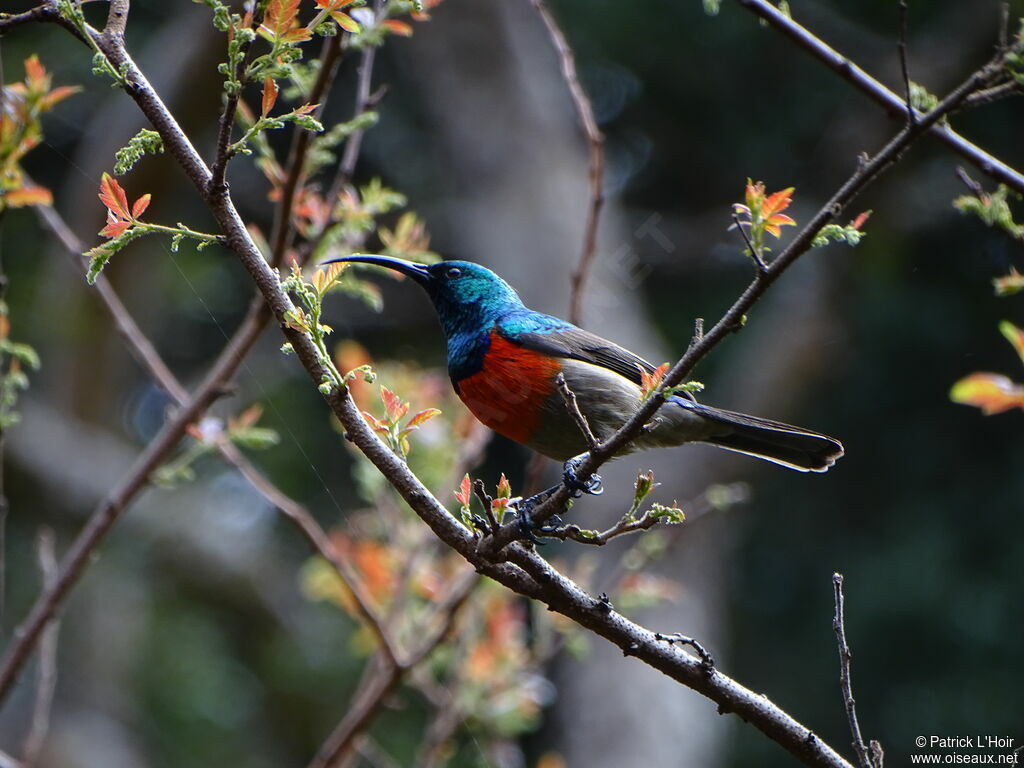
x: 577, y: 344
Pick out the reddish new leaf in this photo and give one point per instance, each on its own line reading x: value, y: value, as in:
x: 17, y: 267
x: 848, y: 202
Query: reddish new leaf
x: 858, y: 222
x: 776, y: 202
x: 114, y: 197
x: 1010, y: 283
x: 991, y: 392
x: 423, y: 417
x: 1015, y: 336
x: 346, y: 22
x: 773, y: 224
x: 393, y: 405
x: 462, y: 495
x: 35, y: 74
x: 397, y: 27
x: 269, y: 95
x: 297, y: 35
x: 141, y: 205
x: 281, y: 16
x: 57, y: 95
x: 650, y: 381
x: 504, y: 489
x: 18, y: 198
x: 115, y: 226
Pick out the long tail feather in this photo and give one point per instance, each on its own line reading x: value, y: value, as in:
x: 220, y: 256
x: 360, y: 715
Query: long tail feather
x: 784, y: 444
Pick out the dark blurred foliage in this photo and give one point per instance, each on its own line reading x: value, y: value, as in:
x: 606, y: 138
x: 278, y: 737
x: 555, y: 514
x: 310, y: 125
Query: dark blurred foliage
x: 190, y: 644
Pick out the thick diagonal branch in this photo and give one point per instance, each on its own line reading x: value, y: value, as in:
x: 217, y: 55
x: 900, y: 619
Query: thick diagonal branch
x: 896, y: 105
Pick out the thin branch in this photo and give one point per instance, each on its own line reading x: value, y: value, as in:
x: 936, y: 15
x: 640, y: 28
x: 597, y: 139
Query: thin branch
x: 754, y: 253
x: 140, y: 346
x: 380, y: 683
x: 864, y: 755
x: 1004, y: 26
x: 46, y: 679
x: 976, y: 189
x: 282, y: 229
x: 698, y: 332
x: 319, y: 542
x: 621, y: 528
x: 46, y: 12
x: 79, y: 555
x: 490, y: 524
x: 226, y: 123
x: 103, y: 518
x: 731, y: 321
x: 595, y: 144
x: 904, y: 69
x: 569, y: 398
x: 994, y: 94
x: 849, y: 71
x: 143, y: 349
x: 363, y: 100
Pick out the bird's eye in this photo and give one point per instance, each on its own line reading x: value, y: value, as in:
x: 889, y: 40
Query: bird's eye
x: 452, y: 272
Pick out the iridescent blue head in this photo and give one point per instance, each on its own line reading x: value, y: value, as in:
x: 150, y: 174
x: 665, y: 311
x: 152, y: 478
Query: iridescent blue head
x: 468, y: 298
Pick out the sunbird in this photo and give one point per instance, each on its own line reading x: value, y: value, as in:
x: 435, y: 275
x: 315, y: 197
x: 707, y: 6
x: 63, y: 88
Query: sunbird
x: 504, y: 359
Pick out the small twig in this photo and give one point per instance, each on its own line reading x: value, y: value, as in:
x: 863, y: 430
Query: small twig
x: 226, y: 122
x: 621, y: 528
x: 754, y: 253
x: 706, y: 658
x: 994, y: 94
x: 976, y: 189
x: 904, y: 69
x: 569, y: 398
x: 698, y: 331
x: 487, y: 502
x: 46, y: 678
x: 595, y: 144
x: 863, y: 755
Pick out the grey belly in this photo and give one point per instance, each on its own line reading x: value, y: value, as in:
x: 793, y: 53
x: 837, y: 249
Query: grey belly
x: 608, y: 400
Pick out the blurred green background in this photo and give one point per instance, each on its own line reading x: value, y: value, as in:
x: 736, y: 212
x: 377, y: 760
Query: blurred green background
x: 189, y: 642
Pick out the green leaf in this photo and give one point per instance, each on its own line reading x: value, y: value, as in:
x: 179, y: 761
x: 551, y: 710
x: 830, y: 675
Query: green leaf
x: 22, y: 352
x: 143, y: 143
x: 100, y: 255
x: 671, y: 515
x: 256, y: 438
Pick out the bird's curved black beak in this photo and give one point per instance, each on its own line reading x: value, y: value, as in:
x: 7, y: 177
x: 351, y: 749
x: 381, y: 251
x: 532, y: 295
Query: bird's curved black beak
x: 417, y: 272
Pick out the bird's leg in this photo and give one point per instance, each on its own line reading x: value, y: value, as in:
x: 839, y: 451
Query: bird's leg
x: 528, y: 529
x: 591, y: 485
x: 524, y: 516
